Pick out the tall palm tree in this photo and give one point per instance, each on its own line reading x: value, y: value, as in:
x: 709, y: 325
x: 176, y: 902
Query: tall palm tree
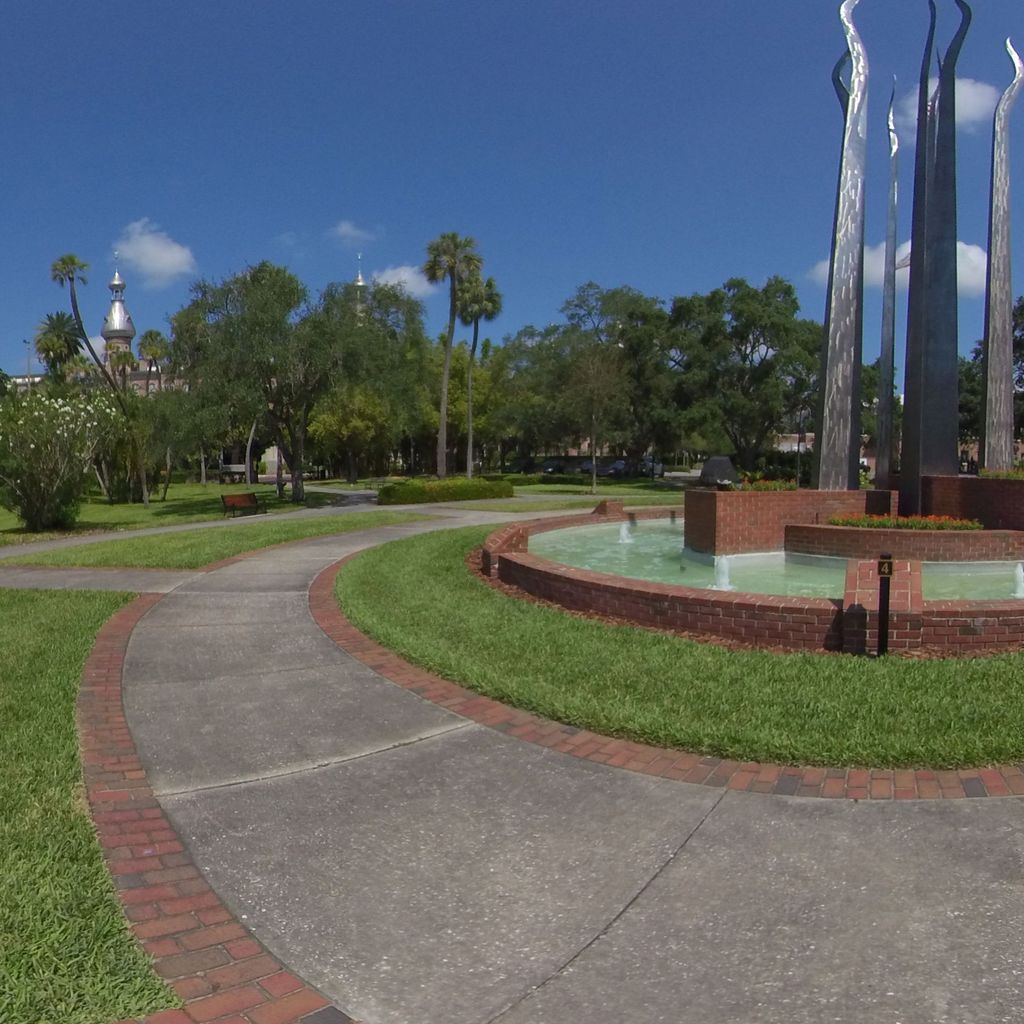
x: 57, y: 342
x: 453, y: 258
x: 480, y: 300
x: 122, y: 362
x: 154, y: 348
x: 68, y: 270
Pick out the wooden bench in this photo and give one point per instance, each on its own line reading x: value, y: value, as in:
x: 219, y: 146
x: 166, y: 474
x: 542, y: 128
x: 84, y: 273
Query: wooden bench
x: 241, y: 503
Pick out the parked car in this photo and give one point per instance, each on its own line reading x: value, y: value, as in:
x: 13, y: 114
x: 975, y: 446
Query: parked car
x: 553, y: 466
x: 651, y: 467
x: 618, y: 468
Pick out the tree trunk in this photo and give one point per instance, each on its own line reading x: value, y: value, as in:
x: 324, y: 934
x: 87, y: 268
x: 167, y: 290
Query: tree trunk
x: 248, y: 454
x: 469, y: 402
x: 279, y: 471
x: 351, y: 472
x: 140, y: 464
x: 202, y: 467
x: 593, y: 455
x: 101, y: 481
x: 167, y: 477
x: 298, y: 450
x: 442, y: 426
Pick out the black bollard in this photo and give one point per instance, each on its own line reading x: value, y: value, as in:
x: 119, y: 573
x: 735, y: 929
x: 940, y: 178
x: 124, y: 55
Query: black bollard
x: 884, y: 582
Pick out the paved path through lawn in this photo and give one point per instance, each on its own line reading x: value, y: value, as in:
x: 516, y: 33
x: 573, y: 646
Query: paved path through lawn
x: 422, y: 869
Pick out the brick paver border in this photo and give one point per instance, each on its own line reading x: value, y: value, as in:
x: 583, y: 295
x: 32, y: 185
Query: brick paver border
x: 747, y: 776
x: 222, y: 974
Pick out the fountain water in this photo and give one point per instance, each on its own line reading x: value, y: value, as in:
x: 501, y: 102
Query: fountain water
x: 722, y: 574
x: 1018, y: 580
x: 625, y: 533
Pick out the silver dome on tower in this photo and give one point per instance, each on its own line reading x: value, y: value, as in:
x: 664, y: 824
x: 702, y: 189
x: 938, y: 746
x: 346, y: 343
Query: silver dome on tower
x: 118, y: 326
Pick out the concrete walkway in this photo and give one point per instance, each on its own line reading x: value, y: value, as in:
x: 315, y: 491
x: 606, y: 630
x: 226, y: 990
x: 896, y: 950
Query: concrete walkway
x: 418, y: 867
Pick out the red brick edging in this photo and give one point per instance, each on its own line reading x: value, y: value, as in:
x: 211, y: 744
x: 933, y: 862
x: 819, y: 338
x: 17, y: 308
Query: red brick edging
x: 749, y: 776
x: 220, y: 971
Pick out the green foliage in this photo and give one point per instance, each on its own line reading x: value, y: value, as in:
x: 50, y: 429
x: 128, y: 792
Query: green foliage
x: 905, y: 522
x: 1017, y: 473
x: 454, y: 489
x: 46, y: 448
x: 747, y: 363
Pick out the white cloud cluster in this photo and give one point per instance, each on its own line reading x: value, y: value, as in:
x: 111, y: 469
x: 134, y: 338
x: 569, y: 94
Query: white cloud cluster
x: 975, y: 105
x: 409, y: 277
x: 154, y: 254
x: 971, y: 266
x: 351, y: 235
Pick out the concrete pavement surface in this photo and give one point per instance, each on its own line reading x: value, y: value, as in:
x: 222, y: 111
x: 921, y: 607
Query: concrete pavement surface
x: 422, y: 869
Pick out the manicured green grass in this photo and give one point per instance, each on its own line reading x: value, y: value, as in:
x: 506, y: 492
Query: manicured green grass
x: 186, y: 503
x: 194, y: 548
x: 607, y: 488
x: 66, y: 954
x: 417, y: 597
x: 556, y: 504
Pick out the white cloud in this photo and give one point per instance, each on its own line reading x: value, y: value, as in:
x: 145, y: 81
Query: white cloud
x: 409, y: 277
x: 975, y: 105
x: 152, y: 252
x: 351, y: 235
x: 971, y: 264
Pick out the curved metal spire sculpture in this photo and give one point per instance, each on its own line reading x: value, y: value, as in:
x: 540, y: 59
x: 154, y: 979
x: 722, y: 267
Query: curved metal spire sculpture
x: 997, y: 442
x: 839, y: 443
x: 930, y: 420
x: 883, y: 454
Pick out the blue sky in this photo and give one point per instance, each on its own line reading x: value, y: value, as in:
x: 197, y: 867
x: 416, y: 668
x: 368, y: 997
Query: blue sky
x: 659, y: 144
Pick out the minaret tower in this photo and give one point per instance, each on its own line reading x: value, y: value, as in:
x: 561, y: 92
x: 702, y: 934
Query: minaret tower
x: 360, y: 285
x: 118, y: 329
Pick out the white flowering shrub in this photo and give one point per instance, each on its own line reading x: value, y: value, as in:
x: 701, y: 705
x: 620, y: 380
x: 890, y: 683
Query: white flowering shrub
x: 46, y: 448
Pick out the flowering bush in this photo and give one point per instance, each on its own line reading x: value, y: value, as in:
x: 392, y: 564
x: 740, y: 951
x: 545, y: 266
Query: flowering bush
x: 906, y: 522
x: 46, y: 449
x: 767, y: 485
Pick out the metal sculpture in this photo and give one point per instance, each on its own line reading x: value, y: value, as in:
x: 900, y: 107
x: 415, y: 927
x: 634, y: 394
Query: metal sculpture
x: 839, y: 446
x: 997, y: 439
x: 930, y: 423
x: 883, y: 453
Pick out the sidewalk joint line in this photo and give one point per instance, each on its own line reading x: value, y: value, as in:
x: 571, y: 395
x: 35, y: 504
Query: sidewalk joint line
x: 655, y: 875
x: 308, y: 768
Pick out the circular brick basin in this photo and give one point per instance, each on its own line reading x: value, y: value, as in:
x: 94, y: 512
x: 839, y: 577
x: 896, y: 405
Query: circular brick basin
x: 761, y: 620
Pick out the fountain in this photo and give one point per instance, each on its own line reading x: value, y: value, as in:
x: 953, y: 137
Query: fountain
x: 722, y: 574
x: 1018, y: 580
x: 625, y: 533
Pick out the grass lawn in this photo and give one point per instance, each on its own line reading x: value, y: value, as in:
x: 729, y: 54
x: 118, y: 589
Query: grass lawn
x: 557, y: 504
x: 623, y: 681
x: 194, y: 548
x: 186, y: 503
x: 606, y: 489
x: 66, y: 954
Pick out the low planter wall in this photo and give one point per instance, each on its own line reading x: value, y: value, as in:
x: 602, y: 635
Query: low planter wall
x: 920, y: 545
x: 731, y: 522
x: 998, y: 504
x: 762, y: 620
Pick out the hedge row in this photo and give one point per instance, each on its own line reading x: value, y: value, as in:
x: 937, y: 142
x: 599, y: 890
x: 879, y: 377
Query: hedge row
x: 459, y: 488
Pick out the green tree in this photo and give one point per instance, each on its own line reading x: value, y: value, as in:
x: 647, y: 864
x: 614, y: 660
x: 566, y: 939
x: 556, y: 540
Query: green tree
x: 154, y: 347
x: 455, y: 259
x: 57, y: 343
x: 253, y: 343
x: 480, y: 300
x: 746, y: 362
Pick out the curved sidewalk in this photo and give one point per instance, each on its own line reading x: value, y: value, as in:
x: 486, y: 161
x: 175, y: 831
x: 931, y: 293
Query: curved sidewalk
x: 416, y: 866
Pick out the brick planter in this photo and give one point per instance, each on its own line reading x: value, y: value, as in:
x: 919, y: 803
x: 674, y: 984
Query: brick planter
x: 731, y: 522
x: 919, y: 545
x: 998, y: 504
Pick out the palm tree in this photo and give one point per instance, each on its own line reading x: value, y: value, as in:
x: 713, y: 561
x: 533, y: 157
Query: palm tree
x: 122, y: 362
x: 57, y: 342
x: 456, y: 259
x: 68, y: 270
x: 154, y: 348
x: 481, y: 300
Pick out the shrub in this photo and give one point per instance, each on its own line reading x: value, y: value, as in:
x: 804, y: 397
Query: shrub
x: 458, y: 488
x: 1017, y: 473
x: 767, y: 485
x: 905, y: 522
x: 46, y: 450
